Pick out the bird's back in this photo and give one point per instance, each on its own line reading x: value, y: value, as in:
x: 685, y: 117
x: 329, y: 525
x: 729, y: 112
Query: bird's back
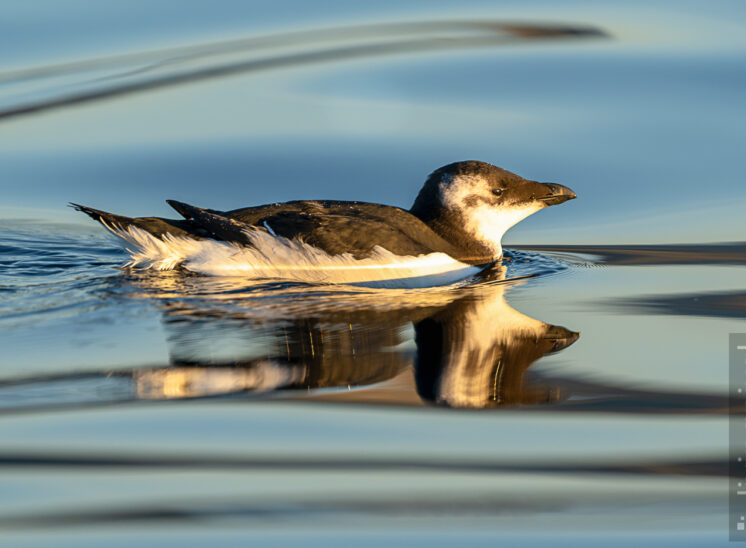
x: 346, y: 227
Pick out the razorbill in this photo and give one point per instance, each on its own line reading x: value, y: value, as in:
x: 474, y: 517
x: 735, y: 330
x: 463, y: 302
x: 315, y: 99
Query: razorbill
x: 454, y: 227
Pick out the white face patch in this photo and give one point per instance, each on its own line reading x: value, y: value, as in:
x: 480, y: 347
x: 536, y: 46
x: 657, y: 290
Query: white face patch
x: 485, y: 222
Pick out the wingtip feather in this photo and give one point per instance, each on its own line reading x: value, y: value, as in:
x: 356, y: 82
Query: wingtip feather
x: 185, y: 210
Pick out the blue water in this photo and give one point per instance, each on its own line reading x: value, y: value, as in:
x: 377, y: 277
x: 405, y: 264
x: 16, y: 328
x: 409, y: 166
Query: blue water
x: 565, y: 397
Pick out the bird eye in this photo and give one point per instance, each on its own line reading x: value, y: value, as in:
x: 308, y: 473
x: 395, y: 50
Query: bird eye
x: 497, y: 191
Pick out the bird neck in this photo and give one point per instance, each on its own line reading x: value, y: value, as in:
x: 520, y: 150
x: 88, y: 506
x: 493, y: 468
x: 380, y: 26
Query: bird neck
x: 452, y: 229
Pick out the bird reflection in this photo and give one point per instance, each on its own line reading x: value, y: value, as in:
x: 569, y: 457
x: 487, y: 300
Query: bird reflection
x: 471, y: 348
x: 475, y: 354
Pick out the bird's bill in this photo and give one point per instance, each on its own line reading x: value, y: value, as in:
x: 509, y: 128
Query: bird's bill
x: 557, y: 194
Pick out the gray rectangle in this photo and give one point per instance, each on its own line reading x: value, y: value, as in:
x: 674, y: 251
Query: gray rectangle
x: 737, y: 437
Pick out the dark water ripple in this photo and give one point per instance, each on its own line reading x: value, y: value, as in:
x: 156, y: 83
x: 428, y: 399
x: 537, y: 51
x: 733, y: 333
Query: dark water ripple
x: 717, y: 304
x: 127, y: 74
x: 701, y: 467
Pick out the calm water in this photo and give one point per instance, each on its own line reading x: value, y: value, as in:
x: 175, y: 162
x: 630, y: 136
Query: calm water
x: 573, y: 395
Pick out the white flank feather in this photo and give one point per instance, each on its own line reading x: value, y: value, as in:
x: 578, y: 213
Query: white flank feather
x: 271, y: 256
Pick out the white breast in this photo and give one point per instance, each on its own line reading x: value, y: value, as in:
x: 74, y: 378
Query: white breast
x: 488, y: 224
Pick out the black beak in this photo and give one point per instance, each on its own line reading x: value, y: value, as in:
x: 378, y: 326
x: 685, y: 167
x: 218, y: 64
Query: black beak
x: 557, y: 194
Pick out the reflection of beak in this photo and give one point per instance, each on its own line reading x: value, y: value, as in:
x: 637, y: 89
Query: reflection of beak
x: 557, y: 194
x: 561, y: 337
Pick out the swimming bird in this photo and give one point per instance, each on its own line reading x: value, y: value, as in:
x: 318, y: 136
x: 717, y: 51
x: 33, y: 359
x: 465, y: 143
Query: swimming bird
x: 453, y: 229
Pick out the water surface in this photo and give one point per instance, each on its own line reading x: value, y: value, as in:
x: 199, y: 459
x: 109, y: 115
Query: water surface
x: 574, y: 394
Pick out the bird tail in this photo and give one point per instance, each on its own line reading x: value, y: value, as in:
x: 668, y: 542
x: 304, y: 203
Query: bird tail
x: 154, y: 225
x: 109, y: 220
